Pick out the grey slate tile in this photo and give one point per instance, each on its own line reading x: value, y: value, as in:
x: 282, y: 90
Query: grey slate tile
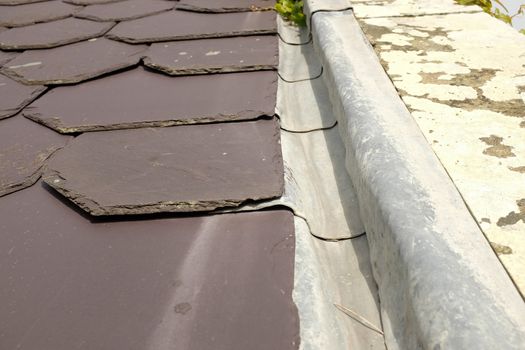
x: 22, y: 15
x: 90, y: 2
x: 177, y: 169
x: 182, y: 25
x: 214, y: 55
x: 24, y: 148
x: 125, y: 10
x: 73, y: 63
x: 6, y: 56
x: 14, y: 96
x: 18, y: 2
x: 52, y: 34
x: 139, y: 98
x: 218, y: 6
x: 210, y: 283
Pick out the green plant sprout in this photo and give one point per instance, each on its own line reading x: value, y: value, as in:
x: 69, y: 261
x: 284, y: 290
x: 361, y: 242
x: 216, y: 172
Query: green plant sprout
x: 487, y: 6
x: 291, y: 10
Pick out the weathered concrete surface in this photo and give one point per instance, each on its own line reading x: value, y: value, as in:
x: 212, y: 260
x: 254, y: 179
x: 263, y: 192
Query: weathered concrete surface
x: 397, y: 8
x: 461, y: 76
x: 440, y: 284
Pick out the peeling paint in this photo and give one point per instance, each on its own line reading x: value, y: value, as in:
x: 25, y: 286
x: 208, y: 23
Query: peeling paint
x: 497, y: 149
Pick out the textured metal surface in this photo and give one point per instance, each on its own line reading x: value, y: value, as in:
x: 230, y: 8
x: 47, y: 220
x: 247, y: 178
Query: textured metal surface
x: 73, y: 63
x: 124, y: 10
x: 218, y: 6
x: 440, y: 283
x: 301, y: 63
x: 14, y: 96
x: 181, y: 25
x: 22, y: 15
x: 208, y: 283
x: 51, y: 34
x: 24, y: 148
x: 214, y: 55
x: 183, y: 168
x: 139, y: 98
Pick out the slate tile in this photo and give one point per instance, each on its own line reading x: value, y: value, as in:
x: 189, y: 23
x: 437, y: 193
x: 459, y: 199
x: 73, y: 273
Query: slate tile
x: 22, y: 15
x: 182, y: 25
x: 218, y: 6
x: 124, y: 10
x: 18, y: 2
x: 178, y: 169
x: 15, y: 96
x: 24, y: 148
x: 6, y: 56
x: 139, y: 98
x: 135, y: 284
x: 73, y: 63
x: 215, y: 55
x: 52, y: 34
x: 90, y: 2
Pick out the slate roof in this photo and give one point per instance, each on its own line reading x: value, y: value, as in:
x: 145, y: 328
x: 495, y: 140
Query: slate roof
x: 182, y: 98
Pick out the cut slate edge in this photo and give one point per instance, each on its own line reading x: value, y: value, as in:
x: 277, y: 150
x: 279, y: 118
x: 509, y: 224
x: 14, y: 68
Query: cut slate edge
x: 55, y: 123
x: 16, y: 3
x: 34, y: 95
x: 80, y: 3
x: 201, y: 9
x: 79, y: 38
x: 190, y: 36
x: 200, y: 70
x: 128, y: 18
x: 11, y: 73
x: 484, y: 292
x: 51, y: 19
x: 57, y: 182
x: 31, y: 179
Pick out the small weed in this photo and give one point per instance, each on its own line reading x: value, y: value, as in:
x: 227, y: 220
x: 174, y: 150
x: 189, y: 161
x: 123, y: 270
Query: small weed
x: 487, y: 6
x: 291, y: 10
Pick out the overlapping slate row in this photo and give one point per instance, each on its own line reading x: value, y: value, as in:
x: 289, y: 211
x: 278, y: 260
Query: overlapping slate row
x: 73, y: 63
x: 221, y: 6
x: 139, y: 98
x: 210, y: 283
x: 22, y: 15
x: 90, y: 2
x: 24, y: 148
x: 52, y: 34
x: 185, y: 168
x: 14, y: 96
x: 221, y: 55
x: 124, y: 10
x: 6, y: 56
x: 183, y: 25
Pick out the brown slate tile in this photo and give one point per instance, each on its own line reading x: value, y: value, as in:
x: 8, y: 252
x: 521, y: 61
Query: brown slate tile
x: 14, y: 96
x: 18, y: 2
x: 219, y: 282
x: 182, y: 25
x: 139, y: 98
x: 52, y: 34
x: 6, y: 56
x: 24, y: 147
x: 22, y: 15
x: 218, y: 6
x: 73, y: 63
x: 90, y: 2
x: 125, y: 10
x: 215, y: 55
x: 177, y: 169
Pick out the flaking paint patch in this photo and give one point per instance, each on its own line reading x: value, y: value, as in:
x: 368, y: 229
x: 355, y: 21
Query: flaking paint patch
x: 497, y: 148
x: 514, y: 217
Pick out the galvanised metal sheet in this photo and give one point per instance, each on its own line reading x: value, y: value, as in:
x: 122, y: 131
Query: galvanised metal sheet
x: 219, y: 282
x: 183, y: 25
x: 124, y: 10
x: 215, y: 55
x: 139, y: 98
x: 14, y: 96
x: 218, y: 6
x: 22, y: 15
x: 177, y: 169
x: 73, y: 63
x: 52, y: 34
x: 24, y: 149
